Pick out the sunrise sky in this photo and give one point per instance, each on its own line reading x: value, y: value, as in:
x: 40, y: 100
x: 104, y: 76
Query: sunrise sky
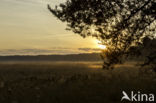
x: 28, y: 28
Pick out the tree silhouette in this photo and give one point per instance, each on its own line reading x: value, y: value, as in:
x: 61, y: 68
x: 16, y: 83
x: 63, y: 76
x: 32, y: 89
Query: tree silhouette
x: 121, y: 25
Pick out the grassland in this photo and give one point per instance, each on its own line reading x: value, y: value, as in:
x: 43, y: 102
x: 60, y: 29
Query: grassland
x: 70, y: 82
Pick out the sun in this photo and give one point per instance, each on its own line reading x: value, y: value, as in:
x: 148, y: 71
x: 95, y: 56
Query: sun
x: 102, y: 46
x: 99, y: 45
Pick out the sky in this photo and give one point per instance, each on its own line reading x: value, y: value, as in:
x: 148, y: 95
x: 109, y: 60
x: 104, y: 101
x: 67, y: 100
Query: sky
x: 28, y: 28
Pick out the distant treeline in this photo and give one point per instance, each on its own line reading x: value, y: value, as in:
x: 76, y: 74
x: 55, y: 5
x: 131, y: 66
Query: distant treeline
x: 70, y: 57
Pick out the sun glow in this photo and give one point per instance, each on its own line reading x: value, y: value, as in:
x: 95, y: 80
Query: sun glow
x: 99, y: 45
x: 102, y: 46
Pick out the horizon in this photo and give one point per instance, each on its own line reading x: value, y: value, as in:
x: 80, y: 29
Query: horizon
x: 51, y: 54
x: 36, y: 52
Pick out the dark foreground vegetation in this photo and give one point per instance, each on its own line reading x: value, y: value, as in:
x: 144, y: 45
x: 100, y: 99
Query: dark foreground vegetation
x: 70, y: 82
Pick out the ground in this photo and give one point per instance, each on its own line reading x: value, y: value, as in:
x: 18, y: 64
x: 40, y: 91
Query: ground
x: 70, y: 82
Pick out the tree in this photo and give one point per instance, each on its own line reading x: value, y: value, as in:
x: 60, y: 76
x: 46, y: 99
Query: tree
x: 149, y: 51
x: 121, y: 25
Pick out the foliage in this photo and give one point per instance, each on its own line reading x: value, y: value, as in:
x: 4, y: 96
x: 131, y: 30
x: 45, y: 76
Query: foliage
x: 121, y: 25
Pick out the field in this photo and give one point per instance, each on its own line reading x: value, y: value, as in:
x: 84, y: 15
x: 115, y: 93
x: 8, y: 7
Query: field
x: 70, y: 82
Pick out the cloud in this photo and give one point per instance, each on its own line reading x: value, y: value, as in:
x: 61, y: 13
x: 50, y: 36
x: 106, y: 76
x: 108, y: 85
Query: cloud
x: 89, y: 49
x: 54, y: 50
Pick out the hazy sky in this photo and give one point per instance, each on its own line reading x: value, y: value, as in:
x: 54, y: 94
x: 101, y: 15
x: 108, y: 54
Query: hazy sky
x: 27, y: 27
